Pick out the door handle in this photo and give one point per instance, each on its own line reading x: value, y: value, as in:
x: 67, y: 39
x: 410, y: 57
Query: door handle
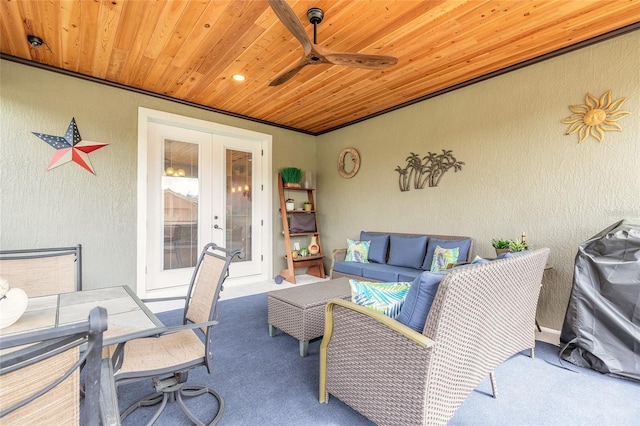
x: 217, y: 227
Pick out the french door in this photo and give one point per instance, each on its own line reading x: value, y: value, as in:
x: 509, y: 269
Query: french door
x: 201, y: 187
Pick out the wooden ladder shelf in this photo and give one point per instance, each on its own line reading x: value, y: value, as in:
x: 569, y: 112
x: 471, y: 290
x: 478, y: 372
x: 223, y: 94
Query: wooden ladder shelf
x: 312, y: 262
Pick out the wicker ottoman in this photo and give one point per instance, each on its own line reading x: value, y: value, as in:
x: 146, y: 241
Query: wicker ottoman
x: 299, y: 311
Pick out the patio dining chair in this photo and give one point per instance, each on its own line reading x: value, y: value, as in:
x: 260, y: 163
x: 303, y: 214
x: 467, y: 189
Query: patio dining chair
x: 40, y: 375
x: 45, y: 271
x: 167, y: 359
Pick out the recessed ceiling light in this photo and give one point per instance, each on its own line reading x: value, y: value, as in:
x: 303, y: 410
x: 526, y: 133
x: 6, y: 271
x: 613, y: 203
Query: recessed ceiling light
x: 238, y: 77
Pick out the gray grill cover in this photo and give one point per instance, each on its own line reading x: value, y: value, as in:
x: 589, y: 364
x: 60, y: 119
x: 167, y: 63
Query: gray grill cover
x: 603, y: 317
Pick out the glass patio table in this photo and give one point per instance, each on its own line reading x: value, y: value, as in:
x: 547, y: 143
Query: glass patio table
x: 128, y: 316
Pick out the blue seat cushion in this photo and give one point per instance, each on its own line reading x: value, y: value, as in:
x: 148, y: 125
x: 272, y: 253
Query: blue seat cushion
x: 381, y: 272
x: 462, y: 245
x: 378, y: 247
x: 351, y: 268
x: 419, y: 299
x: 407, y: 250
x: 408, y: 274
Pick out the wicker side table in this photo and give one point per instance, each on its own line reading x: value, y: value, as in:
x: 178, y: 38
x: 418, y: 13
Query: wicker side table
x: 299, y: 311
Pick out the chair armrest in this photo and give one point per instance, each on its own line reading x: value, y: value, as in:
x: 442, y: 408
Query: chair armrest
x: 357, y: 331
x: 109, y: 411
x: 338, y: 255
x: 164, y: 299
x: 183, y: 327
x: 409, y: 333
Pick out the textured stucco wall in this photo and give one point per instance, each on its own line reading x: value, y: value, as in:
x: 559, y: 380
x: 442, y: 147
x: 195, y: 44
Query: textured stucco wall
x: 68, y: 205
x: 521, y: 171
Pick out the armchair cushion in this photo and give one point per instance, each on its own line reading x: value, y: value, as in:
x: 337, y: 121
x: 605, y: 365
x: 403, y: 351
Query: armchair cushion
x: 407, y: 250
x: 419, y: 300
x: 463, y: 250
x: 386, y: 298
x: 357, y: 251
x: 379, y: 246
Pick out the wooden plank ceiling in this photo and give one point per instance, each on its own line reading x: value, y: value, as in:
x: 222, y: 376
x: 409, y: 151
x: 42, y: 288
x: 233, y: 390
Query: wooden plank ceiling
x: 189, y: 49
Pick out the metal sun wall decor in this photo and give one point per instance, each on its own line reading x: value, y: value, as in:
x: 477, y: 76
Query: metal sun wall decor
x: 429, y: 169
x: 595, y: 117
x: 70, y: 147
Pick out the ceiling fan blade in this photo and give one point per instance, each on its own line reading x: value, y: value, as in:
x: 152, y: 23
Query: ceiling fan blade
x: 290, y: 73
x: 375, y: 62
x: 290, y: 20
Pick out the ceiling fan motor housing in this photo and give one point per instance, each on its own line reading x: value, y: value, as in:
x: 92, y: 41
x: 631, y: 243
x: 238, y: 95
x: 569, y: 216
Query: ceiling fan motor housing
x: 315, y: 15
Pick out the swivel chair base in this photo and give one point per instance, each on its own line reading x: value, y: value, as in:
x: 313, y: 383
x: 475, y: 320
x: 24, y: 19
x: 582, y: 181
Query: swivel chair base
x: 174, y: 388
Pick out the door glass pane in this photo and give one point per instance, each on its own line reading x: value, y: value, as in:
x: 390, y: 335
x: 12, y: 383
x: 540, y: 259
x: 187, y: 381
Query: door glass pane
x: 180, y: 200
x: 239, y: 211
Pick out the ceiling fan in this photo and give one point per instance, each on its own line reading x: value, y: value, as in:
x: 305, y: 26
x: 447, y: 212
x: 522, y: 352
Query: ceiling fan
x: 313, y: 53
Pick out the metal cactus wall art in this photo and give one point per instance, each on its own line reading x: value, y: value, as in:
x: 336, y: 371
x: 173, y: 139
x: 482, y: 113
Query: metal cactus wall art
x: 428, y: 169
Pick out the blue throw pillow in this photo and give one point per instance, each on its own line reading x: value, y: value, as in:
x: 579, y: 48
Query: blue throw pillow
x: 419, y: 300
x: 509, y: 254
x: 378, y: 247
x: 462, y: 245
x: 407, y: 250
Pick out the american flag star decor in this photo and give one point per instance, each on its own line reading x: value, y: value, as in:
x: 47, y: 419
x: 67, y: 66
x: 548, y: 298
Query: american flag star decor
x: 70, y: 147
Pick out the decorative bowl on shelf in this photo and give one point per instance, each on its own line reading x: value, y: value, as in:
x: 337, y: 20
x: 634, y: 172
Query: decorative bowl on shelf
x: 290, y: 204
x: 13, y: 303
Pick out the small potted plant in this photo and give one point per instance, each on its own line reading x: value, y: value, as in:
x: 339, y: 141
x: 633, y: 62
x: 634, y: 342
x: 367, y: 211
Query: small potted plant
x: 503, y: 246
x: 307, y: 206
x: 291, y: 177
x: 290, y: 204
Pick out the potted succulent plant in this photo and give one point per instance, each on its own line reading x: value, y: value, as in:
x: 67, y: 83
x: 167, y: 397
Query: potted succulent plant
x: 291, y: 177
x: 307, y: 206
x: 503, y: 246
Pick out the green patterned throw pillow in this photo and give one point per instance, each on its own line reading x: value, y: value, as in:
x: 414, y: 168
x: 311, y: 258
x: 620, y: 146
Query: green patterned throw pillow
x: 386, y: 298
x: 357, y: 251
x: 442, y: 257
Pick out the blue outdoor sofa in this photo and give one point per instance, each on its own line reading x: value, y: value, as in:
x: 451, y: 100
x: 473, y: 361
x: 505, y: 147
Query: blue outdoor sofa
x: 398, y: 257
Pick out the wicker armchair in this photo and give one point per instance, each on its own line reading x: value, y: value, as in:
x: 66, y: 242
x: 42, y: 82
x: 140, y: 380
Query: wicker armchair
x: 481, y: 316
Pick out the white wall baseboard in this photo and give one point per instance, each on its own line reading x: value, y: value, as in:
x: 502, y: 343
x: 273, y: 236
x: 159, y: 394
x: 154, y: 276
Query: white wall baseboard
x: 548, y: 335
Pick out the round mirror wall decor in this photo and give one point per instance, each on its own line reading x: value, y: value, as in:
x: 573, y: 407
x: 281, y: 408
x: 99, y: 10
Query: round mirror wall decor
x: 343, y: 163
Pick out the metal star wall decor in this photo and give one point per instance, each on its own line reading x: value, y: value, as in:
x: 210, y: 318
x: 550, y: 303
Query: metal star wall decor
x: 70, y: 147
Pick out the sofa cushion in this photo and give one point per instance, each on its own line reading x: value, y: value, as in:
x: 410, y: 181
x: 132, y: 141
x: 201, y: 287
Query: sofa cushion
x: 378, y: 247
x: 419, y: 300
x: 380, y: 272
x: 351, y: 268
x: 443, y: 257
x: 463, y: 250
x: 357, y: 251
x: 386, y: 298
x: 407, y: 250
x: 408, y: 274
